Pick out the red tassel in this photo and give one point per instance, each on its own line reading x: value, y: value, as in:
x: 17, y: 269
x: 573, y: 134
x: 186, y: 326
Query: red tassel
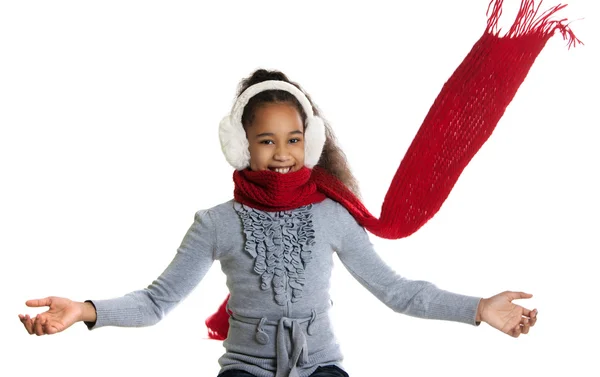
x: 527, y: 24
x: 218, y: 323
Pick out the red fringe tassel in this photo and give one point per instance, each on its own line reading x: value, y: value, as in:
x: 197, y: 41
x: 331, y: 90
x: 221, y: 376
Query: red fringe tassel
x: 526, y: 22
x: 218, y: 323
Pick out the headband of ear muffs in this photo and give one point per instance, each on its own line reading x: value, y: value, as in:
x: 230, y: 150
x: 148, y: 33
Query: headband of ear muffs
x: 233, y: 136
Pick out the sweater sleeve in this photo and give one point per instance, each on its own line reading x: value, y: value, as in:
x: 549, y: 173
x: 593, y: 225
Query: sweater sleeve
x: 416, y: 298
x: 148, y: 306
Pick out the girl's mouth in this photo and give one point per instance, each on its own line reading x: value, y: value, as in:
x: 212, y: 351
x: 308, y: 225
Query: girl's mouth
x: 281, y: 170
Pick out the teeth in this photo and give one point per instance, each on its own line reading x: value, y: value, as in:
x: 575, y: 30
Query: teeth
x: 282, y: 170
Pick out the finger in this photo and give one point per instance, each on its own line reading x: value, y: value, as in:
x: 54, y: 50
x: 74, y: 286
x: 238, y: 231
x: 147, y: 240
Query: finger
x: 47, y: 328
x: 43, y: 322
x: 533, y: 317
x: 39, y: 302
x: 525, y: 326
x: 28, y: 324
x: 516, y: 331
x: 37, y: 326
x: 518, y: 295
x: 531, y: 314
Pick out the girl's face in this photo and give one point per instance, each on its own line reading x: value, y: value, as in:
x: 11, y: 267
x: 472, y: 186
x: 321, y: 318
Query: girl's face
x: 276, y: 138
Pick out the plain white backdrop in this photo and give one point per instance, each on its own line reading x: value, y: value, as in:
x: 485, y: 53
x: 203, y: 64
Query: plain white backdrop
x: 108, y: 146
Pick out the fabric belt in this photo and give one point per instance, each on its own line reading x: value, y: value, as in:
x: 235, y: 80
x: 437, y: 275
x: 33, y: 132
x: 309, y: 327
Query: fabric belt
x: 290, y: 332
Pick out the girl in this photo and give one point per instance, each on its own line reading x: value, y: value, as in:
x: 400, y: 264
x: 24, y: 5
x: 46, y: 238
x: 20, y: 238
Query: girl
x: 275, y: 242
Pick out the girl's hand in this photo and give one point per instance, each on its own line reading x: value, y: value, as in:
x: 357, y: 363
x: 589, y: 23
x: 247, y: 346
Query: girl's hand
x: 499, y: 312
x: 61, y: 315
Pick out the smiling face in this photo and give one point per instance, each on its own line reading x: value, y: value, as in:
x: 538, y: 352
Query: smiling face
x: 276, y: 138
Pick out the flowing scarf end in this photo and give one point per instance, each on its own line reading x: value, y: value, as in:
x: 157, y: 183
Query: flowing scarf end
x: 530, y: 21
x: 218, y: 323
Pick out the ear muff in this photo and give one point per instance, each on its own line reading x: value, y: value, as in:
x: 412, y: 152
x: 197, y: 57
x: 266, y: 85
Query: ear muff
x: 234, y: 144
x: 314, y: 140
x: 232, y: 136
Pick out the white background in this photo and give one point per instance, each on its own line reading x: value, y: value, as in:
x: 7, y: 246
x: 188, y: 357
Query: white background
x: 108, y: 146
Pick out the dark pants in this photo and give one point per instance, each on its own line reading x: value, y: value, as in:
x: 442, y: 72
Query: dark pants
x: 326, y: 371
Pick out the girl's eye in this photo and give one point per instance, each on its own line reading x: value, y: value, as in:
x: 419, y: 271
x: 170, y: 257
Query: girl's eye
x: 266, y: 142
x: 293, y: 141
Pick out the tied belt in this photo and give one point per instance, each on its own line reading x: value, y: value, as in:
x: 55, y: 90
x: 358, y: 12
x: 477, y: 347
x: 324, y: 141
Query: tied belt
x: 288, y: 331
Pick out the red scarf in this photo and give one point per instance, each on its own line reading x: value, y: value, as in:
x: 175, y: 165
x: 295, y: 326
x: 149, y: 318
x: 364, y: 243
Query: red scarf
x: 458, y: 123
x: 271, y: 191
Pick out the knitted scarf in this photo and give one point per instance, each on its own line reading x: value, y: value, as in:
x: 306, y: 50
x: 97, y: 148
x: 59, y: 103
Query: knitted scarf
x: 271, y: 191
x: 459, y: 122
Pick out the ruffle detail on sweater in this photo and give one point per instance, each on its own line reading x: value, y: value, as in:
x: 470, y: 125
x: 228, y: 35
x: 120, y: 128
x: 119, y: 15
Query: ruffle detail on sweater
x: 281, y: 244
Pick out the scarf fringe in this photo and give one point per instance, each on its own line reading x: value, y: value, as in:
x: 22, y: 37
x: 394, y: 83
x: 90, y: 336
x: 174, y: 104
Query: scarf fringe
x: 218, y: 323
x: 526, y: 22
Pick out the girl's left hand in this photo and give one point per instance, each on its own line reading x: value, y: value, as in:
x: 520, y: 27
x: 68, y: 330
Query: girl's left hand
x: 499, y: 312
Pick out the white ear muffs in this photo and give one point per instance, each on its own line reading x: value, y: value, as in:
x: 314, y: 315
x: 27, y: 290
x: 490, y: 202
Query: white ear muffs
x: 233, y: 137
x: 314, y: 140
x: 234, y: 144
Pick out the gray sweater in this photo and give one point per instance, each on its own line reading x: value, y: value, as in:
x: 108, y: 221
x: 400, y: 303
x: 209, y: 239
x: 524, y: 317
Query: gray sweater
x: 278, y: 267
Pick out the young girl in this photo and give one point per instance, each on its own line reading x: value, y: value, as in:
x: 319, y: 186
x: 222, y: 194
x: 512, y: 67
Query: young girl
x: 275, y: 242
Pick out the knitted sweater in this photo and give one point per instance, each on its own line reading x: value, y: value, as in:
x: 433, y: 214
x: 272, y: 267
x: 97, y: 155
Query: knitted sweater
x: 278, y: 267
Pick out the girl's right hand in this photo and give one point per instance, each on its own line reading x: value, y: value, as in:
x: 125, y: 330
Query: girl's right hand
x: 61, y: 315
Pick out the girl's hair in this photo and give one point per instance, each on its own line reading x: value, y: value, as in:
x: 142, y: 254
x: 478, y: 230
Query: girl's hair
x: 333, y: 158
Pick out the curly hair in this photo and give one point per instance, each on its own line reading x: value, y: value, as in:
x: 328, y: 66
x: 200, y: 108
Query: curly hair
x: 333, y: 158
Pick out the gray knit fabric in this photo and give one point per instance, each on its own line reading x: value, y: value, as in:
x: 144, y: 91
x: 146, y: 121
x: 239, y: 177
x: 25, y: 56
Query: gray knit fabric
x: 278, y: 267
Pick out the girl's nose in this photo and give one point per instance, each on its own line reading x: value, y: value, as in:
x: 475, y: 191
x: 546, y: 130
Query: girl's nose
x: 281, y: 154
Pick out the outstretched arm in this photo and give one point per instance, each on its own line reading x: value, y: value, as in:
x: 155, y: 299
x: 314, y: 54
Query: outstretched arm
x: 423, y: 299
x: 417, y: 298
x: 143, y: 307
